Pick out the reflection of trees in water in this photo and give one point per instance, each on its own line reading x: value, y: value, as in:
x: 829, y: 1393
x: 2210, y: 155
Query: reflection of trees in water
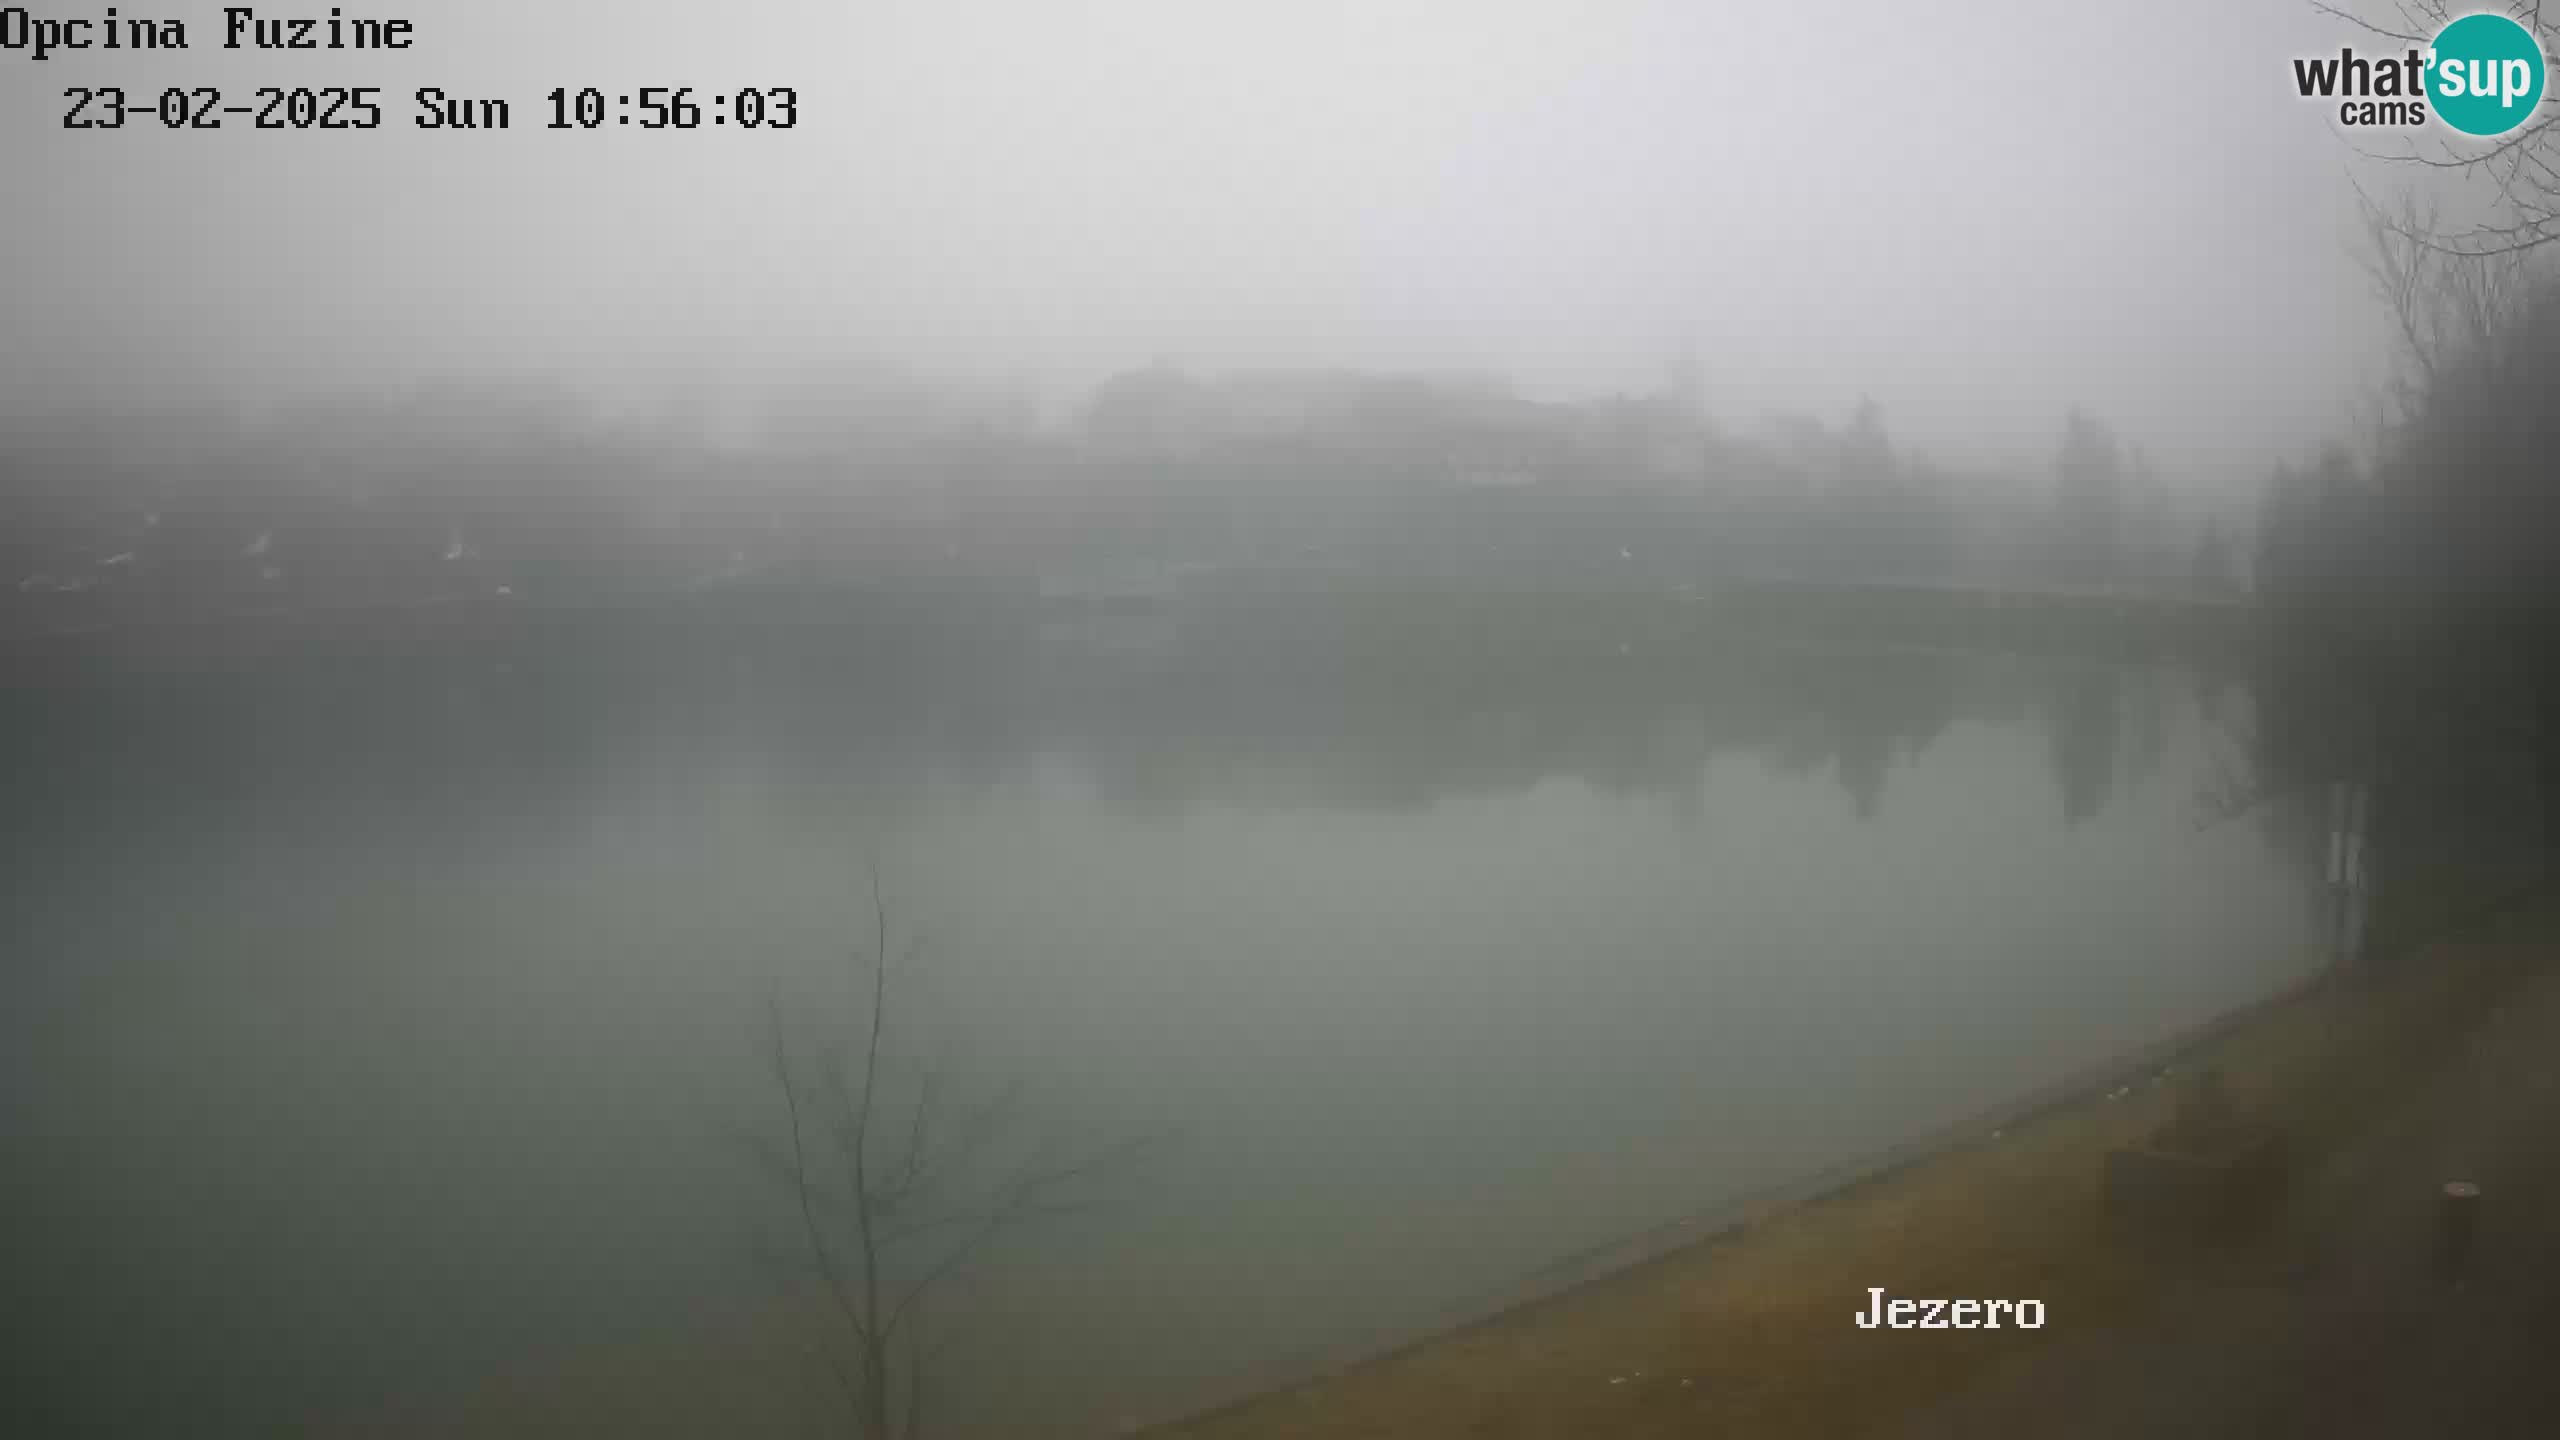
x: 2149, y: 693
x: 348, y: 755
x: 522, y: 743
x: 2083, y: 729
x: 2217, y: 683
x: 1383, y: 742
x: 2106, y: 729
x: 532, y: 746
x: 1858, y: 715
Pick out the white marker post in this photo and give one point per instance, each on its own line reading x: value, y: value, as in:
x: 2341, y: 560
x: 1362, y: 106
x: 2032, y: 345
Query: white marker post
x: 2349, y: 806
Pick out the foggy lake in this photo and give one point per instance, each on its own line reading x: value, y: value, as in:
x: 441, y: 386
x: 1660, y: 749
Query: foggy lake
x: 1007, y: 719
x: 382, y: 1039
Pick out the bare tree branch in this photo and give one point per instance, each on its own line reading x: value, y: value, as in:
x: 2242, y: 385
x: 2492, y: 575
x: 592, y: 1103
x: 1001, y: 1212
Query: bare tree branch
x: 2363, y: 24
x: 2517, y: 168
x: 903, y: 1251
x: 818, y: 1246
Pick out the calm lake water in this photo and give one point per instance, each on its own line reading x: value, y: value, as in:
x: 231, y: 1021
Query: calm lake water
x: 382, y: 1043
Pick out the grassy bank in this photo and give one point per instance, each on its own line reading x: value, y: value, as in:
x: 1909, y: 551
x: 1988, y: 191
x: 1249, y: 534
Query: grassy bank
x: 1750, y: 1332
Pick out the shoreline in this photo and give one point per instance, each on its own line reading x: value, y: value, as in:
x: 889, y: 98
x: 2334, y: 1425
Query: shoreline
x: 2052, y: 1135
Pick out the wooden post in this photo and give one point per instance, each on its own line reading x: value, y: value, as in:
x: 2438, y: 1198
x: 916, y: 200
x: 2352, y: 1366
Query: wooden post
x: 2457, y: 1220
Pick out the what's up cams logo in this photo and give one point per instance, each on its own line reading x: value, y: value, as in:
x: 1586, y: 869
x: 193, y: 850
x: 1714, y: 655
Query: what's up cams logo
x: 2482, y: 75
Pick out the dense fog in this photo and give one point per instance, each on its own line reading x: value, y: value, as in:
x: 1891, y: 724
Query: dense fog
x: 1043, y: 714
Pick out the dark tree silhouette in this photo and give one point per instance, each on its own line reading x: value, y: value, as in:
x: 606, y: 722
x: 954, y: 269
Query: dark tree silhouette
x: 2410, y: 606
x: 2089, y: 502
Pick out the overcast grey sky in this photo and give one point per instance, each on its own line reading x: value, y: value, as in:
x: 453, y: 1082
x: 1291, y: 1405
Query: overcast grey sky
x: 1977, y: 213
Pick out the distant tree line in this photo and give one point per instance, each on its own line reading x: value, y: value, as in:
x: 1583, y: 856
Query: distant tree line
x: 528, y: 494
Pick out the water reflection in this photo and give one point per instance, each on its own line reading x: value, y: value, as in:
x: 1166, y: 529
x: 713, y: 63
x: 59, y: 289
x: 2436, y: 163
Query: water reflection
x: 1448, y: 967
x: 530, y: 744
x: 2083, y: 735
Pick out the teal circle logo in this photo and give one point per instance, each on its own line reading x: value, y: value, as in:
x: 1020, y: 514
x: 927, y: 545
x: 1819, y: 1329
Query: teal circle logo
x: 2485, y: 74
